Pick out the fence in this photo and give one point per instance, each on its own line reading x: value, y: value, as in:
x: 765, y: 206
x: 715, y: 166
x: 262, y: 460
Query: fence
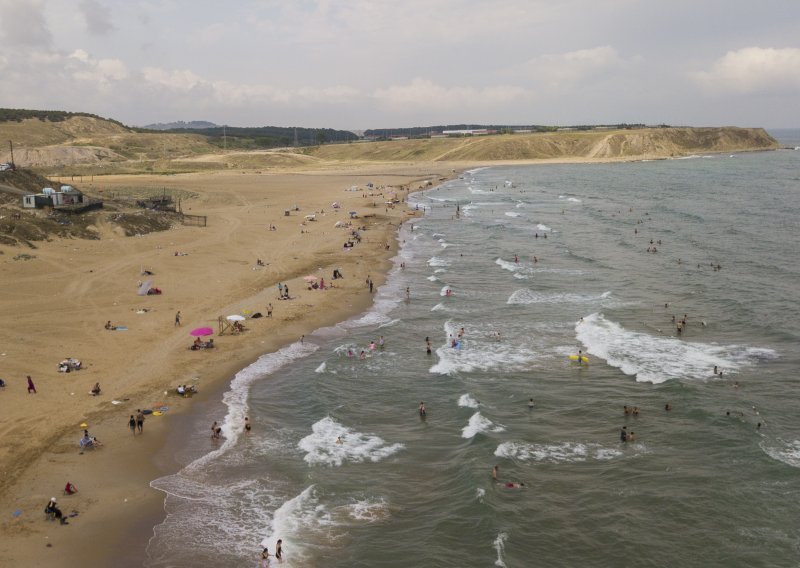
x: 194, y: 220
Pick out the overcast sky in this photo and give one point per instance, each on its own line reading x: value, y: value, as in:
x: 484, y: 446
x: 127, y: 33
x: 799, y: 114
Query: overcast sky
x: 356, y: 64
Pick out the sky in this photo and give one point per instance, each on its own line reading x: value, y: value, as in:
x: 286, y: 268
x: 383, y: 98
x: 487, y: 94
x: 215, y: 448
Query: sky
x: 359, y: 64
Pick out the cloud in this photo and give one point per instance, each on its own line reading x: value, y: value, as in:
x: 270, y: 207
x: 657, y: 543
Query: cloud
x: 565, y: 69
x: 181, y: 82
x: 425, y: 94
x: 97, y: 16
x: 99, y: 71
x: 753, y: 70
x: 22, y: 22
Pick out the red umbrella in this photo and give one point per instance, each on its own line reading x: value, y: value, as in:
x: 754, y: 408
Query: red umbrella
x: 201, y: 331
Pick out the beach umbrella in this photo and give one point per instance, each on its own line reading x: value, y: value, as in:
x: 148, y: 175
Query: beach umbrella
x: 201, y: 331
x: 309, y: 278
x: 235, y: 317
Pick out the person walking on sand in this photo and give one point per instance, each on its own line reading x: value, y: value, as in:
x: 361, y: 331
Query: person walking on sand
x: 178, y: 319
x: 132, y: 425
x: 139, y: 420
x: 31, y: 387
x: 269, y: 310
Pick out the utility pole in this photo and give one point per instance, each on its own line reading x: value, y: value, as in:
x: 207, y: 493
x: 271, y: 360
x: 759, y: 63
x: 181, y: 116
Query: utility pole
x: 11, y: 146
x: 224, y: 137
x: 295, y: 137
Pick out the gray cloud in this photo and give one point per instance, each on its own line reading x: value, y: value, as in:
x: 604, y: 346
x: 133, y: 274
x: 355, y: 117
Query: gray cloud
x: 97, y: 16
x: 22, y: 22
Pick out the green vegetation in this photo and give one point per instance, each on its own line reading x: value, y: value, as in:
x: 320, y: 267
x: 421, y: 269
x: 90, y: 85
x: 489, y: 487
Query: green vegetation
x: 239, y: 138
x: 20, y: 114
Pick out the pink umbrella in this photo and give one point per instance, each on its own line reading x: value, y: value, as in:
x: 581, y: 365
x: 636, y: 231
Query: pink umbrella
x: 201, y: 331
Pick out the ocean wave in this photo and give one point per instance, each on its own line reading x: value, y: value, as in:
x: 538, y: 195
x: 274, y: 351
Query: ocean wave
x: 466, y: 400
x: 658, y: 359
x: 480, y: 354
x: 321, y: 447
x: 436, y: 261
x: 572, y: 199
x: 526, y: 296
x: 565, y: 452
x: 446, y: 290
x: 499, y: 544
x: 544, y: 228
x: 786, y: 452
x: 432, y: 278
x: 321, y: 369
x: 479, y: 424
x: 513, y: 214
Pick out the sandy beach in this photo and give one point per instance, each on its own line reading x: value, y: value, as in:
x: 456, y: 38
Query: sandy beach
x: 57, y: 302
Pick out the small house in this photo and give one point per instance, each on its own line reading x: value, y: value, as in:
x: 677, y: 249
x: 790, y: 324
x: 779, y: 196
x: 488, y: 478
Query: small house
x: 49, y: 197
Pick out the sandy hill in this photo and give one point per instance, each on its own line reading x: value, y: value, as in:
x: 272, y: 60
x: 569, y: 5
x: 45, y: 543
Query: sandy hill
x: 618, y: 144
x: 91, y: 145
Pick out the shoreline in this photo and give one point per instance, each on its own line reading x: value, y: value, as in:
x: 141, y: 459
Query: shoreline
x: 118, y: 518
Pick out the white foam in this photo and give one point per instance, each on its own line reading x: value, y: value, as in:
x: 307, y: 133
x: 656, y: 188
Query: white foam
x: 479, y: 424
x: 438, y: 307
x: 321, y: 369
x: 466, y: 400
x: 526, y: 296
x: 432, y: 278
x: 480, y: 492
x: 544, y: 228
x: 436, y: 261
x: 439, y: 271
x: 321, y: 447
x: 658, y: 359
x: 507, y: 265
x: 444, y: 290
x: 500, y: 548
x: 519, y: 276
x: 565, y: 452
x: 572, y: 199
x: 480, y: 354
x: 786, y: 452
x: 512, y: 214
x: 367, y: 510
x: 301, y: 515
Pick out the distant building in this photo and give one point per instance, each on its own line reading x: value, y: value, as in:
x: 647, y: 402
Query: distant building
x: 66, y: 195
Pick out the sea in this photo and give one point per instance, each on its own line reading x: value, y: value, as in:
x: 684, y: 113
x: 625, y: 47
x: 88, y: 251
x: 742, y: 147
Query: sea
x: 511, y: 272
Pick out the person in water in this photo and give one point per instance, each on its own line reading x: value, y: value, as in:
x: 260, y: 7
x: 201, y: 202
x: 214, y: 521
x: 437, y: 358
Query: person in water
x: 623, y: 434
x: 422, y: 410
x: 530, y: 404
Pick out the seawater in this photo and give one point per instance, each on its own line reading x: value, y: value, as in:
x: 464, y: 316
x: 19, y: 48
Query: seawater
x: 702, y: 484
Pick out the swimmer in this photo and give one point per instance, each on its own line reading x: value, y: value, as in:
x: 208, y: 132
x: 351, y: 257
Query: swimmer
x: 494, y: 471
x: 363, y: 355
x: 422, y: 410
x: 513, y: 485
x: 339, y: 440
x: 668, y: 407
x: 716, y: 371
x: 626, y: 410
x: 632, y: 437
x: 372, y: 346
x: 530, y: 404
x: 635, y: 412
x: 623, y: 434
